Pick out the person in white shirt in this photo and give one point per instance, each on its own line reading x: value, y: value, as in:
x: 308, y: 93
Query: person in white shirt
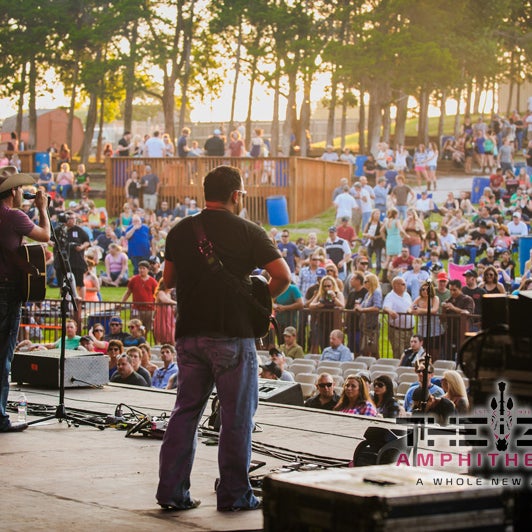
x: 447, y: 242
x: 516, y: 229
x: 345, y: 203
x: 400, y: 324
x: 154, y: 146
x: 329, y: 154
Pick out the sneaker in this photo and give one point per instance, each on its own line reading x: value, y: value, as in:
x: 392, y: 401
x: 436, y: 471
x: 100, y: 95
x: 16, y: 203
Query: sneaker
x: 258, y: 506
x: 190, y: 505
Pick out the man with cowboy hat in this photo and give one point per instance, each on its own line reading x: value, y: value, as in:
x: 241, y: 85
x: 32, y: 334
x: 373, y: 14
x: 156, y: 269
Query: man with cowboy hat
x: 14, y: 225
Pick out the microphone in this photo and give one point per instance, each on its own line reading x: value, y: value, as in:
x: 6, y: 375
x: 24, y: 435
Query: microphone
x: 27, y: 195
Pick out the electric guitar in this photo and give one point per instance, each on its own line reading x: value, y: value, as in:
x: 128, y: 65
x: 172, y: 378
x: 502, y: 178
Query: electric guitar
x: 32, y: 262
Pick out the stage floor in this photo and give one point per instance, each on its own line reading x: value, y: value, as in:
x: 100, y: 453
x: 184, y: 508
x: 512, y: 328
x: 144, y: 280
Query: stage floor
x: 56, y: 477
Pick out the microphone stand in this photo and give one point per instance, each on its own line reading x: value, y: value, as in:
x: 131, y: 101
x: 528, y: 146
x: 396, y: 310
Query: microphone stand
x: 68, y: 294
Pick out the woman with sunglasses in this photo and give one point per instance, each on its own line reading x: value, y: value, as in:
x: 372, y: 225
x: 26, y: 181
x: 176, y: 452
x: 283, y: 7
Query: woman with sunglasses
x: 136, y: 334
x: 114, y: 350
x: 96, y: 334
x: 432, y: 337
x: 384, y: 399
x: 355, y: 398
x: 490, y: 281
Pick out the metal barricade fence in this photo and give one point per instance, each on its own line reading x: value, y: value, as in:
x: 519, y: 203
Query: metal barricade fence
x: 368, y: 333
x: 41, y: 322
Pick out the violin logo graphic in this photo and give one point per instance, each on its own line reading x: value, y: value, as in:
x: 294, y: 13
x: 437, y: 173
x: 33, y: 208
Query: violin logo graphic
x: 501, y: 421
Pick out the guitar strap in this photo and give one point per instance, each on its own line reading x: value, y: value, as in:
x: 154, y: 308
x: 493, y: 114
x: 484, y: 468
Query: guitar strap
x: 216, y: 266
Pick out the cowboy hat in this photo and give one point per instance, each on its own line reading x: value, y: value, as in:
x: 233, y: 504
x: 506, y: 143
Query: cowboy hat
x: 10, y: 178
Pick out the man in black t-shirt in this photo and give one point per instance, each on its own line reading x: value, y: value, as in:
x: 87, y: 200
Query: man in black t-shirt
x: 125, y: 374
x: 124, y: 145
x: 326, y: 398
x: 73, y: 241
x: 214, y: 341
x: 214, y: 146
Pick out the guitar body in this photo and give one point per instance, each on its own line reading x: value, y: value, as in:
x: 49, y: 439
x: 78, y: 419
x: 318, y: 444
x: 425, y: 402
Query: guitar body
x: 33, y: 284
x: 261, y: 294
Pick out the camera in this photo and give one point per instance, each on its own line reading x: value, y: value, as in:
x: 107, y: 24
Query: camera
x: 62, y: 218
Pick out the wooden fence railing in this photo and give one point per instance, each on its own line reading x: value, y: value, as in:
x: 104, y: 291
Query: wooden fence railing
x: 307, y: 184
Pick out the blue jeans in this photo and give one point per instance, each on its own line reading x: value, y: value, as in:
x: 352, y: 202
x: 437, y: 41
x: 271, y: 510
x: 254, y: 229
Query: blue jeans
x: 402, y: 209
x: 10, y: 312
x: 231, y: 365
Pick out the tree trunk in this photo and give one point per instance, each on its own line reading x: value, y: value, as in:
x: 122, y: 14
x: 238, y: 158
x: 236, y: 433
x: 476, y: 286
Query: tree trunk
x: 457, y: 115
x: 304, y: 122
x: 253, y: 76
x: 129, y: 80
x: 423, y: 131
x: 20, y: 104
x: 184, y: 86
x: 478, y: 92
x: 289, y: 128
x: 32, y: 105
x: 169, y: 104
x: 72, y: 106
x: 469, y: 98
x: 275, y: 118
x: 400, y: 118
x: 362, y: 125
x: 386, y: 123
x: 332, y: 111
x: 441, y: 120
x: 99, y: 142
x: 237, y: 73
x: 343, y: 122
x: 89, y: 127
x: 374, y: 119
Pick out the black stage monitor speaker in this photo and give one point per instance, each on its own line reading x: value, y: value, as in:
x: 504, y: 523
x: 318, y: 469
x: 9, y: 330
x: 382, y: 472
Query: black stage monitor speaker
x: 281, y: 392
x: 380, y: 446
x: 41, y: 368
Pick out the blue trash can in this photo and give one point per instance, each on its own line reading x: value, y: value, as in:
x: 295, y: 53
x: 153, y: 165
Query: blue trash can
x: 525, y: 245
x: 359, y: 165
x: 479, y: 184
x: 277, y: 210
x: 42, y: 158
x: 103, y: 317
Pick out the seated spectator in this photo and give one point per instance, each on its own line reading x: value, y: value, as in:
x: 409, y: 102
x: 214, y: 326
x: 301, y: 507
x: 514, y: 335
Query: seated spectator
x: 438, y: 407
x: 96, y: 334
x: 115, y: 330
x: 45, y: 178
x: 502, y: 241
x: 114, y: 349
x: 162, y: 375
x: 447, y: 242
x: 425, y: 206
x: 336, y: 351
x: 383, y: 397
x: 71, y: 341
x: 355, y: 398
x: 401, y: 263
x: 329, y: 154
x: 125, y: 374
x: 477, y: 241
x: 146, y: 362
x: 136, y: 334
x: 279, y: 360
x: 433, y: 388
x: 326, y: 397
x: 457, y: 224
x: 135, y: 355
x: 86, y: 344
x: 291, y: 348
x: 414, y: 354
x: 454, y: 387
x: 271, y: 371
